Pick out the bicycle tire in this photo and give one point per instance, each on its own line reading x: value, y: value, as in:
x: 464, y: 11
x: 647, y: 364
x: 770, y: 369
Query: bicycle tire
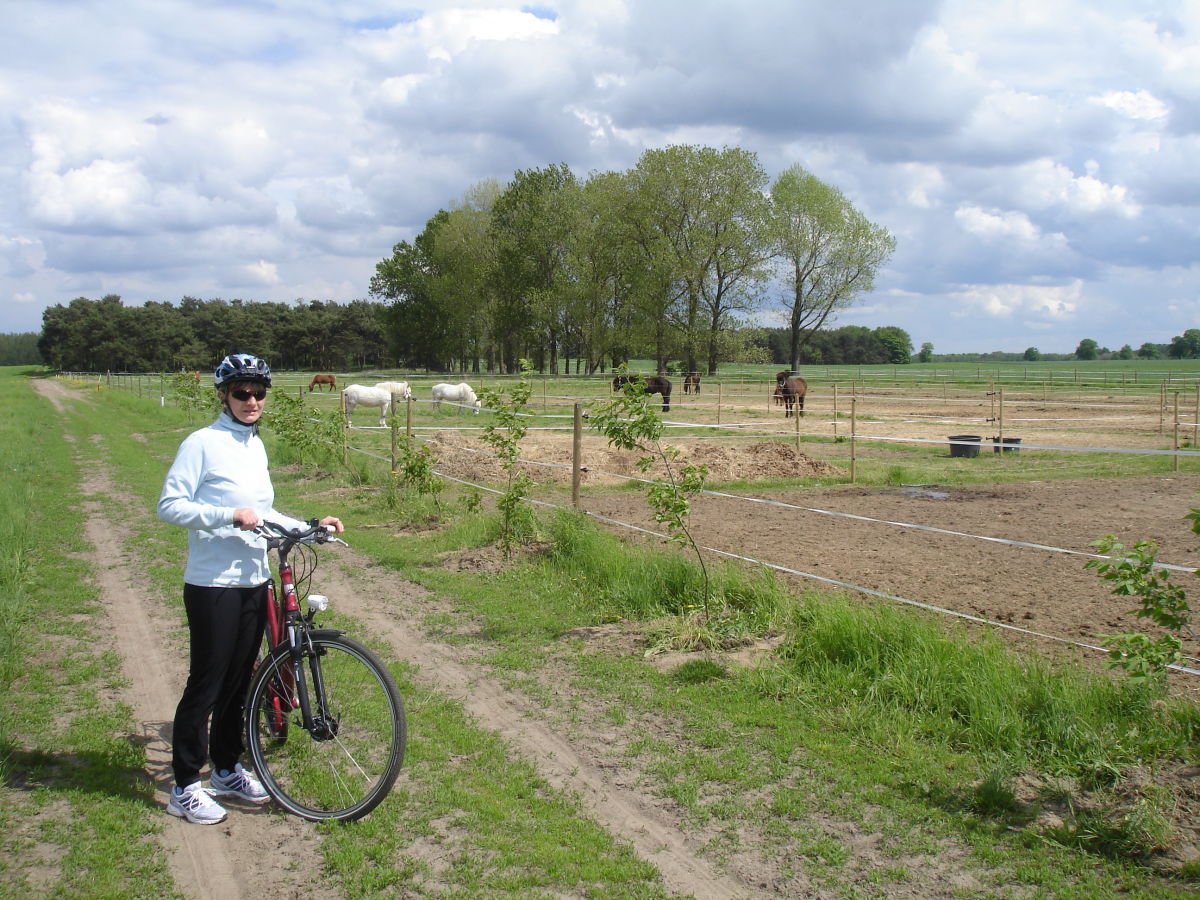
x: 349, y: 771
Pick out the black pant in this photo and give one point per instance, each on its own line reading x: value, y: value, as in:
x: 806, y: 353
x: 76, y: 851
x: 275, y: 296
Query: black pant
x: 226, y: 625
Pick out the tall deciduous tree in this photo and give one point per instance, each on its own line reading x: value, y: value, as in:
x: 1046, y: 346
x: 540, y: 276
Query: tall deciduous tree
x: 828, y: 252
x: 532, y: 221
x: 700, y: 221
x: 898, y: 344
x: 1186, y: 345
x: 416, y: 326
x: 464, y: 256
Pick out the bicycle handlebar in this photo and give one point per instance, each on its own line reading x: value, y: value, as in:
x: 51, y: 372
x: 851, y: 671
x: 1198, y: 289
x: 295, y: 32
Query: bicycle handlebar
x: 316, y: 533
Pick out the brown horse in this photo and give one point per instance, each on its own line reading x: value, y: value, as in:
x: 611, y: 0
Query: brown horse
x: 653, y: 384
x: 322, y: 379
x: 791, y: 389
x: 691, y: 384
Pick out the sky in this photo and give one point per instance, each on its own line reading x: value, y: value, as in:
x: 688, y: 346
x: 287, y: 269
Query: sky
x: 1038, y: 161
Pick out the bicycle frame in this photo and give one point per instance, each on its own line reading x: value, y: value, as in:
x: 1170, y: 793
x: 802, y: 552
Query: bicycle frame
x: 285, y: 624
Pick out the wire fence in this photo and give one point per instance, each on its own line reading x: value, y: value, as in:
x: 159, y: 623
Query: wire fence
x: 1148, y: 414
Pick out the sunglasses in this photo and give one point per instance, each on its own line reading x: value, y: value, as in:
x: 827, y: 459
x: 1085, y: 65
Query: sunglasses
x: 244, y: 395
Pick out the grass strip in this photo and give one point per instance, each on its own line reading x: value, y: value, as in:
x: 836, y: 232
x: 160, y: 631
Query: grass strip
x: 77, y: 805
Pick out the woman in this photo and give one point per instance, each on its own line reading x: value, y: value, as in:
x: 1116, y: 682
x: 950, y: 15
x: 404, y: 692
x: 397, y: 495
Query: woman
x: 219, y: 489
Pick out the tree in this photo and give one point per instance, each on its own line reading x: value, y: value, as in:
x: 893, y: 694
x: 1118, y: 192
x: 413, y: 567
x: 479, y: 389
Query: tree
x: 1126, y: 352
x: 699, y: 217
x: 1149, y: 351
x: 531, y: 222
x: 827, y: 251
x: 1186, y: 345
x: 1032, y: 354
x: 464, y: 256
x: 926, y: 354
x: 20, y: 349
x: 1087, y: 349
x: 416, y: 325
x: 897, y: 344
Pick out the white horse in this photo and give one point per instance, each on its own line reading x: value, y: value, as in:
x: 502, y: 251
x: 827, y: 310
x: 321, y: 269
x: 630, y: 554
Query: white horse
x: 399, y: 388
x: 364, y: 395
x: 456, y: 393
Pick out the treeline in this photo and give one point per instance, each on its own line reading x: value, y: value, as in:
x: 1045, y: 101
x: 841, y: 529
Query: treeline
x: 105, y: 335
x: 850, y: 345
x: 20, y: 349
x: 666, y: 261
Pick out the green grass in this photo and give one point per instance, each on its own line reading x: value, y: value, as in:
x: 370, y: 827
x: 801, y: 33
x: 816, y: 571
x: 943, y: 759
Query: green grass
x: 866, y: 721
x: 76, y: 800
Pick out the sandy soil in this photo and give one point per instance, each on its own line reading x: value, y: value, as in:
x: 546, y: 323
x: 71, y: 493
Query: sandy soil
x: 882, y: 540
x: 1011, y: 554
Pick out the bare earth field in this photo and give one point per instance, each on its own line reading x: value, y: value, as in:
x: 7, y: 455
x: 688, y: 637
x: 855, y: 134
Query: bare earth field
x: 921, y: 543
x: 960, y: 548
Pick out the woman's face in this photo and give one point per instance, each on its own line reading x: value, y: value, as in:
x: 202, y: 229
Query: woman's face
x: 246, y: 401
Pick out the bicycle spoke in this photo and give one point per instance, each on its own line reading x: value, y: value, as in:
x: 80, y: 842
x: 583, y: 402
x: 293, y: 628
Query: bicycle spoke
x: 350, y: 760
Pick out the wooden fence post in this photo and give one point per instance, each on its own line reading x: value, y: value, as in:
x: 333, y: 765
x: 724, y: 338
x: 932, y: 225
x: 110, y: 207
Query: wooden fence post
x: 796, y: 416
x: 1175, y: 458
x: 853, y: 435
x: 835, y: 410
x: 345, y: 428
x: 395, y: 429
x: 577, y: 455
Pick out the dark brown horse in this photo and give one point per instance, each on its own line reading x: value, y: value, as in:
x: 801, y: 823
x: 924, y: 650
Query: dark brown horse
x: 653, y: 384
x: 791, y: 389
x: 322, y: 379
x: 691, y: 384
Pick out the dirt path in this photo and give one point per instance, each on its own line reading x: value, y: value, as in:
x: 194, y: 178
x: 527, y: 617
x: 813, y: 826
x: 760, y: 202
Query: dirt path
x: 238, y: 858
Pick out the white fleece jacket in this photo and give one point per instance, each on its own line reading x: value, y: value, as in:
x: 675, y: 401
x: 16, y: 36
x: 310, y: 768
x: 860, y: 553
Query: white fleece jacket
x: 219, y: 469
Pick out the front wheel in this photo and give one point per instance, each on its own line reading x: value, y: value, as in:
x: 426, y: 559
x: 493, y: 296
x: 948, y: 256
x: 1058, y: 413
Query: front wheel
x: 345, y: 765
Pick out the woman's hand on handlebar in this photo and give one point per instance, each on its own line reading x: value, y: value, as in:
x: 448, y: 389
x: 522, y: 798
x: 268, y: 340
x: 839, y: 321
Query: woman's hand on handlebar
x: 246, y: 519
x: 333, y: 523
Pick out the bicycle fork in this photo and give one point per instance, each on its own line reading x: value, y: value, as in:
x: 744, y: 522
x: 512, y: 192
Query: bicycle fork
x: 322, y: 726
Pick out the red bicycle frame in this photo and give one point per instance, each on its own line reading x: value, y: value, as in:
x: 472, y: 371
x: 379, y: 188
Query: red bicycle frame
x: 283, y: 699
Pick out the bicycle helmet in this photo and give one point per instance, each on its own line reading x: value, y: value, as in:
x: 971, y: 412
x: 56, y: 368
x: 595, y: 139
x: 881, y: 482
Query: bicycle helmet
x: 242, y: 367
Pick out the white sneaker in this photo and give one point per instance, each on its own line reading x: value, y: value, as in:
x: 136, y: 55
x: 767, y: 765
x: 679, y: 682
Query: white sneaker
x: 238, y: 783
x: 195, y: 804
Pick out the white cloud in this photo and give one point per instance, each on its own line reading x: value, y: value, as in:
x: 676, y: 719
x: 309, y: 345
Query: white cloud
x: 1134, y: 104
x: 996, y: 223
x: 262, y: 272
x: 1048, y: 185
x: 242, y: 148
x: 1004, y: 301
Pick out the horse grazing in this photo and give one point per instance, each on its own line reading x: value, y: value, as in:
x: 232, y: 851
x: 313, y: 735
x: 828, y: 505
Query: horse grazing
x: 691, y: 384
x: 791, y: 389
x: 364, y: 395
x: 399, y: 388
x: 322, y: 379
x: 653, y: 384
x: 456, y: 393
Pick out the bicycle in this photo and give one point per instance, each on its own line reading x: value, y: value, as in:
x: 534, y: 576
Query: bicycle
x: 325, y: 724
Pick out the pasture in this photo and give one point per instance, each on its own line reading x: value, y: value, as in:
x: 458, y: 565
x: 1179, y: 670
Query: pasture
x: 758, y: 778
x: 1064, y: 458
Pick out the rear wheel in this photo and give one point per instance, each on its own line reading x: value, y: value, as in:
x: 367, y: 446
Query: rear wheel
x: 348, y: 762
